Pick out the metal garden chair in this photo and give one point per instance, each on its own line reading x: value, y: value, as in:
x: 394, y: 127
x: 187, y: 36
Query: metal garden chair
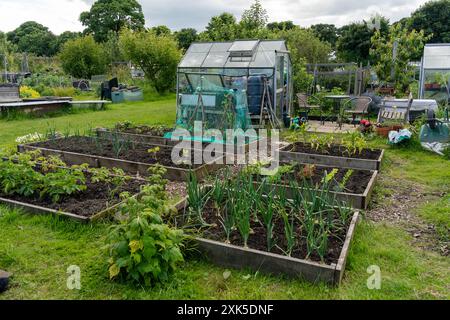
x: 358, y: 106
x: 303, y: 104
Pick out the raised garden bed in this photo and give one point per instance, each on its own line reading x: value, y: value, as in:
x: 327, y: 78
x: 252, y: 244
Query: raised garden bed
x: 148, y: 135
x: 136, y: 135
x: 92, y: 204
x: 213, y: 246
x: 355, y: 190
x: 134, y: 158
x: 336, y: 156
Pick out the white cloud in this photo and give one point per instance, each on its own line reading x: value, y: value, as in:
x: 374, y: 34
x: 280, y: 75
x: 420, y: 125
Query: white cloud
x: 58, y: 15
x: 62, y: 15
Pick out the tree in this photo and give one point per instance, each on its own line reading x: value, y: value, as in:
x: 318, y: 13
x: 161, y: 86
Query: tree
x: 397, y: 69
x: 157, y: 56
x: 83, y: 57
x: 112, y: 16
x: 253, y: 22
x: 7, y: 50
x: 304, y: 44
x: 326, y: 32
x: 354, y: 42
x: 162, y: 31
x: 433, y: 18
x: 64, y: 37
x: 221, y: 28
x: 305, y: 47
x: 33, y: 37
x: 185, y: 37
x: 282, y: 25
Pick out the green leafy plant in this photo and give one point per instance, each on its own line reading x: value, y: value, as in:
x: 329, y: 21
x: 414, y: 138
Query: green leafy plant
x: 320, y: 143
x: 114, y: 178
x: 19, y: 175
x: 328, y: 177
x: 18, y: 178
x: 154, y: 152
x: 354, y: 143
x: 142, y: 248
x: 62, y: 182
x: 282, y: 171
x: 345, y: 180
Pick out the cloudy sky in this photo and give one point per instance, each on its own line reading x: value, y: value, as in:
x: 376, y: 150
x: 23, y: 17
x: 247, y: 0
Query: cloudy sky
x: 62, y: 15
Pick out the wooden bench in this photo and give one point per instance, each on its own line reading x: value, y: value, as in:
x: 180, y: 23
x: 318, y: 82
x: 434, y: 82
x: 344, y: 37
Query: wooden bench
x: 37, y: 106
x: 395, y: 114
x: 9, y: 93
x: 47, y: 106
x: 99, y: 104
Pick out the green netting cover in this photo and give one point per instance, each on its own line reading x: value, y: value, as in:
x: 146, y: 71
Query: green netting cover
x: 216, y: 105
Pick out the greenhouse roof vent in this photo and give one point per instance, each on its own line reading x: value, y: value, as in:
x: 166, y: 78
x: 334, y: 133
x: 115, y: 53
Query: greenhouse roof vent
x: 243, y: 48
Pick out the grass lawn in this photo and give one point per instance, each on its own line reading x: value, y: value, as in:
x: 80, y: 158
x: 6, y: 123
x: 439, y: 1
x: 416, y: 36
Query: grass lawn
x: 157, y: 112
x: 404, y: 233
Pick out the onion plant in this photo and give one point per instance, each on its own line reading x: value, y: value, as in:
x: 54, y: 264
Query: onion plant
x: 240, y: 205
x: 119, y: 144
x: 266, y: 209
x: 242, y: 212
x: 227, y: 221
x: 289, y: 231
x: 196, y: 197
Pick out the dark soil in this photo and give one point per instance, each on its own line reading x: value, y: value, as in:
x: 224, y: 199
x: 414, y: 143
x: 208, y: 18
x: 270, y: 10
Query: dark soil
x: 151, y: 131
x: 102, y: 147
x: 357, y: 183
x: 258, y: 239
x: 335, y: 150
x: 94, y: 199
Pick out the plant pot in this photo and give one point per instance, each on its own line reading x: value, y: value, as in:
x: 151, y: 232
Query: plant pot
x: 4, y: 280
x: 384, y: 131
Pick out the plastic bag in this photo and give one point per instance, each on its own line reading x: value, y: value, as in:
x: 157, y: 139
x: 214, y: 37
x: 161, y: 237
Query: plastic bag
x: 396, y: 137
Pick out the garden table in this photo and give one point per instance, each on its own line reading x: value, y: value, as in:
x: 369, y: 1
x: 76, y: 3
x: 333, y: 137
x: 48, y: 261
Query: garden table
x: 337, y: 106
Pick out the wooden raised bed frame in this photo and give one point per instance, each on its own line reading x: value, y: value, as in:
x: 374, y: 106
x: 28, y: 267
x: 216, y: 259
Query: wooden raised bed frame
x: 231, y: 256
x: 31, y: 208
x: 331, y: 161
x: 34, y: 209
x: 73, y: 158
x: 133, y: 137
x: 355, y: 200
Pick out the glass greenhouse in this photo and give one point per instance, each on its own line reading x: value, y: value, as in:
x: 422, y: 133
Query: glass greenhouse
x: 229, y: 85
x: 435, y: 72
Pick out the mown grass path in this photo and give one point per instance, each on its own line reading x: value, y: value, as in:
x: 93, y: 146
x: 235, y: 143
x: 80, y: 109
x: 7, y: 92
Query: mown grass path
x: 39, y: 249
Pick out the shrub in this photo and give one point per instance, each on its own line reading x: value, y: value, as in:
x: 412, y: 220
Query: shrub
x: 27, y: 92
x: 142, y: 248
x: 83, y: 57
x: 157, y: 56
x: 64, y: 92
x: 46, y: 80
